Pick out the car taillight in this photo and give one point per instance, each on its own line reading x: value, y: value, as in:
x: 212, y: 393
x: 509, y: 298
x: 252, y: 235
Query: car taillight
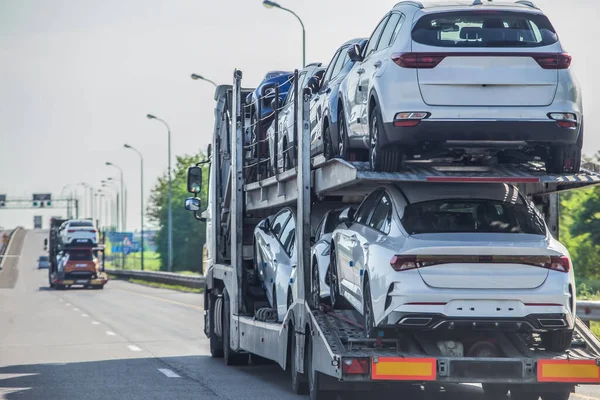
x: 93, y: 231
x: 404, y: 263
x: 417, y: 60
x: 409, y: 119
x: 561, y: 264
x: 553, y: 61
x: 564, y: 120
x: 355, y: 366
x: 71, y: 230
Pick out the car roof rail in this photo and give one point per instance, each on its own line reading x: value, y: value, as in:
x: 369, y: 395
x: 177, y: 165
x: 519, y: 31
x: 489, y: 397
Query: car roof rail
x: 527, y: 3
x: 417, y: 4
x: 315, y: 64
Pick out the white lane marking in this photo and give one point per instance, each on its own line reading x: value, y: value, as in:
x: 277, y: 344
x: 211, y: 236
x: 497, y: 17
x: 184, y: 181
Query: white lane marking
x: 95, y: 323
x: 76, y: 309
x: 168, y: 373
x: 109, y: 333
x: 84, y: 315
x: 67, y: 304
x: 134, y: 348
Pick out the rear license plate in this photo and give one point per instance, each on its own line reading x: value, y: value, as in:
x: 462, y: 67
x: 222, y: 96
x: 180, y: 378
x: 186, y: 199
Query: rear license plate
x: 81, y: 240
x: 82, y: 281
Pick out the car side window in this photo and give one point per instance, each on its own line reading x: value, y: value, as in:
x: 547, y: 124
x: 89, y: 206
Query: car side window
x: 364, y: 210
x: 397, y: 29
x: 388, y: 32
x: 292, y: 93
x: 375, y: 37
x: 381, y: 219
x: 339, y: 64
x: 330, y: 67
x: 319, y: 230
x: 287, y: 235
x: 279, y: 222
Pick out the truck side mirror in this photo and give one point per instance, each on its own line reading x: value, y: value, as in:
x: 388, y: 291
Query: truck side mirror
x: 193, y: 204
x: 194, y: 180
x: 46, y: 244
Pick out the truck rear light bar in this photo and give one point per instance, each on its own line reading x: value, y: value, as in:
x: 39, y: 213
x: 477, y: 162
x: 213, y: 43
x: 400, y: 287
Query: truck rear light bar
x: 409, y: 262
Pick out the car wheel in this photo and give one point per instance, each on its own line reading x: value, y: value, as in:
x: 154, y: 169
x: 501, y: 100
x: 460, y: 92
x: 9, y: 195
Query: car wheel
x: 381, y: 158
x: 334, y: 285
x: 315, y: 287
x: 368, y: 318
x: 343, y: 142
x: 563, y: 159
x: 327, y: 144
x: 558, y: 341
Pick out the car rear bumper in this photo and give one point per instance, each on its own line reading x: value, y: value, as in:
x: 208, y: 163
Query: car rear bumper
x: 481, y: 132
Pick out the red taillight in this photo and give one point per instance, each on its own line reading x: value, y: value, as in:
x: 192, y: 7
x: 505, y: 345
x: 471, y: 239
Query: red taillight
x: 564, y: 120
x: 417, y: 60
x: 561, y: 264
x: 93, y: 231
x: 408, y: 262
x: 409, y: 119
x: 71, y: 230
x: 553, y: 61
x: 404, y: 263
x: 355, y: 366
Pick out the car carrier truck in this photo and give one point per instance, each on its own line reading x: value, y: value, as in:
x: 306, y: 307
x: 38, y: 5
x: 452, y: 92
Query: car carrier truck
x: 83, y: 273
x: 326, y: 351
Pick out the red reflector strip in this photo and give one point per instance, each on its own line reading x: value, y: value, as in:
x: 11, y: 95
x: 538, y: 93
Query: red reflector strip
x: 572, y: 371
x: 403, y: 369
x: 481, y: 179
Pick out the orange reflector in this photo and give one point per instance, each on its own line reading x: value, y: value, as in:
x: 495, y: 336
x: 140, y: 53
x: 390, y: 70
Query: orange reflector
x: 575, y: 371
x: 403, y: 369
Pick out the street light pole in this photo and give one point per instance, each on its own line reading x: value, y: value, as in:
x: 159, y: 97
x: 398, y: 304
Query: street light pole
x: 170, y: 195
x: 115, y: 221
x: 110, y: 164
x: 141, y: 201
x: 200, y: 77
x: 272, y: 4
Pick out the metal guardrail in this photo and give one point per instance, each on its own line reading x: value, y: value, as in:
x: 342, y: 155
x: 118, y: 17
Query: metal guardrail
x: 171, y: 278
x: 588, y: 310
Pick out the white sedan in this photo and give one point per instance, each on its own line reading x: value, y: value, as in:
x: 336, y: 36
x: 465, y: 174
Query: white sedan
x: 75, y: 232
x: 451, y: 256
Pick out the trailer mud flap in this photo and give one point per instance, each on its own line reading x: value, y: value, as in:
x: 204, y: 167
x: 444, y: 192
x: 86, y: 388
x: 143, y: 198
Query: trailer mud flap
x: 403, y: 369
x: 573, y: 371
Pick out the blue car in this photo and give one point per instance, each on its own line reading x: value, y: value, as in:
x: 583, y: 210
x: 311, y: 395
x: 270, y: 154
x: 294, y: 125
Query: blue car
x: 266, y: 93
x: 328, y: 135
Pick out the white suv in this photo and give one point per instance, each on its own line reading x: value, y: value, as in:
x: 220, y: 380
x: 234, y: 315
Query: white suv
x: 78, y: 232
x: 456, y: 80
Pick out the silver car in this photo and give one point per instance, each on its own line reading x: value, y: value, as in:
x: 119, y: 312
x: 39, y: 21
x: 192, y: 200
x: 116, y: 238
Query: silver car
x: 320, y: 255
x: 435, y: 256
x: 275, y: 258
x: 462, y: 80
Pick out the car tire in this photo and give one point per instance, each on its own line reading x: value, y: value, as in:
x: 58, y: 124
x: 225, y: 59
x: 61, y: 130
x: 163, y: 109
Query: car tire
x: 327, y: 144
x: 368, y: 318
x: 558, y: 341
x: 382, y: 159
x: 563, y: 159
x: 315, y: 285
x: 334, y: 285
x: 343, y: 150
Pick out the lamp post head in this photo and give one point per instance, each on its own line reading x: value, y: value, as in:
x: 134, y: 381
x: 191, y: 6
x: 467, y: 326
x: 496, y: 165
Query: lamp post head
x: 127, y: 146
x: 108, y: 163
x: 270, y: 4
x: 150, y: 116
x: 196, y: 77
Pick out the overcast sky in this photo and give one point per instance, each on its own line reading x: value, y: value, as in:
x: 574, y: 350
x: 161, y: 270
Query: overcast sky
x: 77, y: 78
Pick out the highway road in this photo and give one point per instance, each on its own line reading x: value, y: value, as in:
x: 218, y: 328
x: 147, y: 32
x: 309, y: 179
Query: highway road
x: 127, y: 342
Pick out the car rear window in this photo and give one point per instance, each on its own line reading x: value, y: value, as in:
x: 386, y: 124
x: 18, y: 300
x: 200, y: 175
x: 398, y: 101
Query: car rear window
x: 83, y: 255
x: 43, y: 258
x: 476, y: 216
x: 79, y: 224
x: 484, y: 29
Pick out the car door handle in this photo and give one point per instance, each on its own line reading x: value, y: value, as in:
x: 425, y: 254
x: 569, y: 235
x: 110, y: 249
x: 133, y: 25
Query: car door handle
x: 377, y: 64
x: 360, y: 71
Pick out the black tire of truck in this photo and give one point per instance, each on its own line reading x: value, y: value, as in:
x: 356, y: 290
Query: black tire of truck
x: 216, y: 343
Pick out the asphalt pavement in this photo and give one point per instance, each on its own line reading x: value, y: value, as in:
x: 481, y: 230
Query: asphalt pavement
x: 127, y: 341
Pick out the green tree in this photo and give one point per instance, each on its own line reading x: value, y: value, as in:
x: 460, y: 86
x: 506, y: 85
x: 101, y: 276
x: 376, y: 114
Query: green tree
x: 189, y: 234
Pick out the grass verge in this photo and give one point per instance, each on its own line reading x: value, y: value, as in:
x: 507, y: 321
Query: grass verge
x: 159, y: 285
